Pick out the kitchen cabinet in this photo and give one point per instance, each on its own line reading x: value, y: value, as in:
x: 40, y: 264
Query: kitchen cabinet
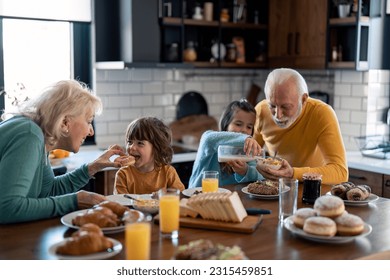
x: 215, y: 40
x: 297, y: 34
x: 362, y: 177
x: 358, y: 41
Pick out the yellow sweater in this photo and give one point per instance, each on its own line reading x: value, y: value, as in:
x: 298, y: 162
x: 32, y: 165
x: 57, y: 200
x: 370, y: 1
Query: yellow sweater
x: 130, y: 180
x: 312, y: 144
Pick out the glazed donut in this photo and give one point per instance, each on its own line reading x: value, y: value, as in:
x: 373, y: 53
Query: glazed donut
x: 349, y: 224
x: 320, y: 226
x: 329, y: 206
x: 301, y: 215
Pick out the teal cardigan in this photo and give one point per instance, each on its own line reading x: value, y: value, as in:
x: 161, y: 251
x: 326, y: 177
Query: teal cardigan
x: 207, y: 159
x: 28, y: 189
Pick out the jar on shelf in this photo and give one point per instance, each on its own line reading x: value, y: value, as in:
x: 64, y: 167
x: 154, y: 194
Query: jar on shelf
x: 224, y: 16
x: 231, y: 52
x: 172, y: 52
x: 189, y: 54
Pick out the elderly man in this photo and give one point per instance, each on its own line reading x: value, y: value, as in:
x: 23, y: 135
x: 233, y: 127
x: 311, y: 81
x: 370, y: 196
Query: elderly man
x: 301, y: 130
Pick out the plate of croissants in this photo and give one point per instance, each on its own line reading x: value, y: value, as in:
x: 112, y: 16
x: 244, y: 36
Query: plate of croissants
x: 108, y: 215
x: 88, y: 243
x: 353, y: 195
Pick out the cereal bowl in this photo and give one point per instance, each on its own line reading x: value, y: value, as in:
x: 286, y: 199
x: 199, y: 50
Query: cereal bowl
x: 274, y: 163
x: 146, y: 204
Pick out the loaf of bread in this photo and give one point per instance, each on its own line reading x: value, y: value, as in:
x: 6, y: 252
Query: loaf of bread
x: 225, y: 207
x: 186, y: 210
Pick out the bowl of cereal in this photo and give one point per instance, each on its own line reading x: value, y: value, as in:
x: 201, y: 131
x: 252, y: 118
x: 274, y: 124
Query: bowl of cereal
x: 274, y: 163
x: 146, y: 204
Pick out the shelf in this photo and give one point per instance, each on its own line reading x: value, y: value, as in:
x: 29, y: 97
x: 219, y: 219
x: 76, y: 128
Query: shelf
x: 196, y: 22
x: 171, y: 21
x: 243, y: 25
x: 243, y: 65
x: 342, y: 65
x: 348, y: 20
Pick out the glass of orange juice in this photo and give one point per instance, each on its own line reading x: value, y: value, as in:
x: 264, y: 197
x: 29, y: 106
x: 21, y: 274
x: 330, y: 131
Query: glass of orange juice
x: 137, y: 238
x: 169, y: 212
x: 210, y: 181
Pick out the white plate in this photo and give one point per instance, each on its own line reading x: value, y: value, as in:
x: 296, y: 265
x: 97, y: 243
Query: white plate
x: 67, y: 221
x: 190, y: 192
x: 289, y: 225
x: 371, y: 198
x: 260, y: 196
x: 116, y: 248
x: 121, y: 199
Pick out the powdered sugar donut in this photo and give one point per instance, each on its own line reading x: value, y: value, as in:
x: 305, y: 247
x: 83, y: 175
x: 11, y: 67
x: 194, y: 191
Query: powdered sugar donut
x: 320, y: 226
x: 301, y: 215
x: 329, y: 206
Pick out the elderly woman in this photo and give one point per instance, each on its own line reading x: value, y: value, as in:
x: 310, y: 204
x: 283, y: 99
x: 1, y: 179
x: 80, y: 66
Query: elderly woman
x: 60, y: 118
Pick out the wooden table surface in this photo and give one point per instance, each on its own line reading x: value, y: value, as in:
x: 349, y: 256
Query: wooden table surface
x: 270, y: 241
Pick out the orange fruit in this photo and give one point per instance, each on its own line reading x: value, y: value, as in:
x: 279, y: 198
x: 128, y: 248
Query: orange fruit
x: 58, y: 153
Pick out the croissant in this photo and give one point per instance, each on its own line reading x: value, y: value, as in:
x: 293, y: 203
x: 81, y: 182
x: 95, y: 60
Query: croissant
x: 83, y: 244
x: 88, y: 228
x: 95, y: 217
x: 115, y: 207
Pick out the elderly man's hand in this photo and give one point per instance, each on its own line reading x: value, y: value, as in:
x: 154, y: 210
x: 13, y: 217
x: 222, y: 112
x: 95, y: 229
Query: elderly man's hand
x: 285, y: 171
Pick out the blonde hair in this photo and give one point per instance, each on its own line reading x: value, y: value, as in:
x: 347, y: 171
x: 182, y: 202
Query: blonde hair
x: 64, y: 99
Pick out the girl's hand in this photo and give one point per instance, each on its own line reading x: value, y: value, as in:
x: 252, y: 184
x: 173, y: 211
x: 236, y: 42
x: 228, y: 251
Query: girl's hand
x: 251, y: 147
x: 239, y: 167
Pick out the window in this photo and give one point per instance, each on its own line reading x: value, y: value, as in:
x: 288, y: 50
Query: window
x: 37, y: 53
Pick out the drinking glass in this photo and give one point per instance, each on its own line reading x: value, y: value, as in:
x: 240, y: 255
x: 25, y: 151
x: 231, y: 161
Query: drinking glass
x: 210, y: 181
x: 169, y: 212
x: 137, y: 237
x: 288, y: 194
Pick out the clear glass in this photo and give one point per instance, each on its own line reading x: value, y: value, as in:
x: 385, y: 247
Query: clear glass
x: 210, y: 181
x: 288, y: 194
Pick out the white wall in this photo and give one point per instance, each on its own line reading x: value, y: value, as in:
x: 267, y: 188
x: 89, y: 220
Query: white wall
x: 359, y: 98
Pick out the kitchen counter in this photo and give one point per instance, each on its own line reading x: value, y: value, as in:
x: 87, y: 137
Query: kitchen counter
x: 89, y: 154
x: 357, y: 161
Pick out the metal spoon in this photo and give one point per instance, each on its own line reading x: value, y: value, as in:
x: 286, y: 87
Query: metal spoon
x: 133, y: 198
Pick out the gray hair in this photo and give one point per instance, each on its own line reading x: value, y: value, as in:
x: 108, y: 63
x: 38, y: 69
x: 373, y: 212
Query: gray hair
x: 64, y: 99
x: 281, y: 75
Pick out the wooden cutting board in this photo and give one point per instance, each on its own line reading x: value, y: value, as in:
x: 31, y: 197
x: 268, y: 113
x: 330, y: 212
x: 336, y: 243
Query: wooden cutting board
x: 248, y: 225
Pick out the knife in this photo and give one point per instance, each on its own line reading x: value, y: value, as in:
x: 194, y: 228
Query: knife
x: 256, y: 211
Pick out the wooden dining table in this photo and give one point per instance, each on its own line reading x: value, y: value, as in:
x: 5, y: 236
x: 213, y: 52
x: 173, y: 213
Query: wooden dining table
x: 269, y: 241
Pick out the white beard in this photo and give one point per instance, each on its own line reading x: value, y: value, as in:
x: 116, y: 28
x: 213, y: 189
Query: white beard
x: 286, y: 122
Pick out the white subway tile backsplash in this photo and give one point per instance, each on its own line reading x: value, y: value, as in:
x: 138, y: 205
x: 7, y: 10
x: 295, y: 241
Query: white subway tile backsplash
x: 352, y: 103
x: 130, y: 88
x: 140, y: 101
x: 131, y: 93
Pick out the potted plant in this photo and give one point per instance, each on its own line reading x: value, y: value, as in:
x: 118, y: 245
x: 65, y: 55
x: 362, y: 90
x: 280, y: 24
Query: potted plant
x: 343, y: 7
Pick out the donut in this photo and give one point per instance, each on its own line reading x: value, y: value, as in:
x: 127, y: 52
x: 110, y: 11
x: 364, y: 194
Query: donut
x: 301, y: 215
x: 359, y: 193
x: 339, y: 190
x: 323, y: 226
x: 349, y: 224
x: 329, y: 206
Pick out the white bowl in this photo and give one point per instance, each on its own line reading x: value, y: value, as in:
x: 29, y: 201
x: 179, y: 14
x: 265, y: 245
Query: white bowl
x: 271, y: 162
x: 146, y: 205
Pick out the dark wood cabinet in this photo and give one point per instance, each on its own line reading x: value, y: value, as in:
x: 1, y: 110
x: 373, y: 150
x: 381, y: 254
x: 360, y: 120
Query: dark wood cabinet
x: 297, y: 34
x: 361, y: 177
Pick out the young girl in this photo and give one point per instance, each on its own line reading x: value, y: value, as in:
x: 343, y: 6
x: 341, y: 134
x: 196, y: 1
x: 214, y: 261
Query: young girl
x: 236, y: 125
x: 148, y: 140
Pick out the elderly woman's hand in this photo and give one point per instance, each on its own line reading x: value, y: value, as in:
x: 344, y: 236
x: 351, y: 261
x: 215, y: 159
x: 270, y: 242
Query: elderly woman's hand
x: 104, y: 160
x: 88, y: 199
